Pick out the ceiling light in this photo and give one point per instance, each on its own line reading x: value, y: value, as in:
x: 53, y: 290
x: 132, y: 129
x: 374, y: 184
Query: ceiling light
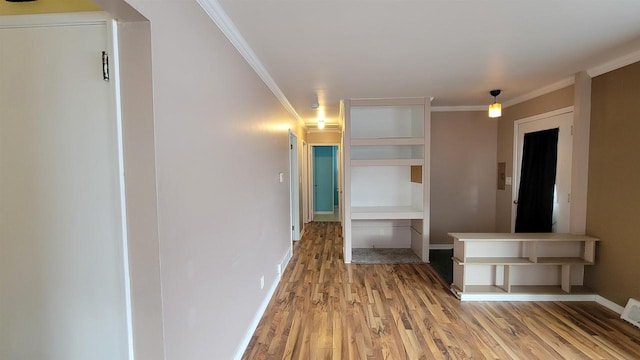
x: 320, y: 124
x: 495, y: 109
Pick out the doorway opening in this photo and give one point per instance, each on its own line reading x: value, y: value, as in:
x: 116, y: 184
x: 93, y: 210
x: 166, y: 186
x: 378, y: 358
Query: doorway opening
x: 325, y: 180
x: 560, y: 123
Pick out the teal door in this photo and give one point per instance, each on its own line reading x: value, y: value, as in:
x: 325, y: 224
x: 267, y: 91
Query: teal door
x: 323, y: 177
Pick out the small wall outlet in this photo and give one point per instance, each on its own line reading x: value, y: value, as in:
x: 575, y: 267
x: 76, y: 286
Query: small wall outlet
x: 262, y: 282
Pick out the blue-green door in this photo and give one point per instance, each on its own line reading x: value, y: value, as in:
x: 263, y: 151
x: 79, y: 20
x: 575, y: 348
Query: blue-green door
x: 323, y: 177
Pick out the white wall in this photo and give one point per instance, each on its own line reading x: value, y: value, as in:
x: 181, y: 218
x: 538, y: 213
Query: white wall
x: 221, y: 140
x: 62, y: 280
x: 463, y: 174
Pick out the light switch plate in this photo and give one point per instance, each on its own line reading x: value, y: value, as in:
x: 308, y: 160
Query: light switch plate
x: 281, y: 176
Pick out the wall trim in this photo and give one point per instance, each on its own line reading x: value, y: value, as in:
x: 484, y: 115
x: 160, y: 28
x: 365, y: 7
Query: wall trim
x: 326, y: 130
x: 528, y: 96
x: 561, y: 111
x: 459, y: 108
x: 263, y: 307
x: 229, y: 29
x: 568, y: 81
x: 56, y: 19
x: 614, y: 64
x: 609, y: 304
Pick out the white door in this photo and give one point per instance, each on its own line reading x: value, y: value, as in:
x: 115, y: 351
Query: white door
x: 563, y: 120
x: 62, y: 278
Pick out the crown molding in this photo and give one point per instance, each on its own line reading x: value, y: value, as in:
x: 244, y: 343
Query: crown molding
x: 54, y: 19
x: 459, y: 108
x: 528, y: 96
x: 325, y: 130
x: 541, y: 91
x: 614, y: 64
x: 229, y: 29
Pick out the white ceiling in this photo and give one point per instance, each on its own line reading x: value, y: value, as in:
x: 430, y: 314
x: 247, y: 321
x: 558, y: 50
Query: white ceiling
x: 455, y: 51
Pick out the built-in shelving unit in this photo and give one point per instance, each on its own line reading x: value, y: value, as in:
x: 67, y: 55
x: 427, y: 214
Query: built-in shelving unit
x: 520, y: 264
x: 386, y: 157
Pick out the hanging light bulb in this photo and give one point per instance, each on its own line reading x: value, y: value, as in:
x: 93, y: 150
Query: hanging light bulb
x: 495, y: 109
x: 320, y: 124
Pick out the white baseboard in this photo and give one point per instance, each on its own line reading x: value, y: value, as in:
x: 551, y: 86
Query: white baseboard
x: 263, y: 306
x: 526, y: 297
x: 285, y: 261
x: 440, y: 246
x: 609, y: 304
x: 543, y: 297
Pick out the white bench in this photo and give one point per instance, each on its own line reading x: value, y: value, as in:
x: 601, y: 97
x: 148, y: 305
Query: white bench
x: 521, y: 266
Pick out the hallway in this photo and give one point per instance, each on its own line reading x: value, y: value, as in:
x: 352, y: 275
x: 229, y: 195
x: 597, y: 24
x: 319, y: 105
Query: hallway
x: 325, y: 309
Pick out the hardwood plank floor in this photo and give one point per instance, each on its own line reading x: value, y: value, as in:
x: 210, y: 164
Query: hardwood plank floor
x: 325, y: 309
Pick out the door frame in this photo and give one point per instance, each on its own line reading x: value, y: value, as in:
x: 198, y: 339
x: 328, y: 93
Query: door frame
x: 305, y: 182
x: 516, y: 145
x: 311, y: 183
x: 294, y: 186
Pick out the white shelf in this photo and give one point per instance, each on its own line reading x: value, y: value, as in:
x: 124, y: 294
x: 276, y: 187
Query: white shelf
x: 385, y: 212
x: 518, y: 237
x: 522, y: 261
x: 387, y: 121
x: 387, y: 141
x: 386, y: 177
x: 388, y: 162
x: 490, y: 263
x: 496, y: 261
x: 387, y: 152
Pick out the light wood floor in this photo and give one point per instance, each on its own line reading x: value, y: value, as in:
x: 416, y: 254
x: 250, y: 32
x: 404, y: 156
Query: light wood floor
x: 325, y: 309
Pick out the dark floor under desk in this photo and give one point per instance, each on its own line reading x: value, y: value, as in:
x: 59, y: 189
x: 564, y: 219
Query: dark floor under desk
x: 442, y: 263
x: 440, y: 260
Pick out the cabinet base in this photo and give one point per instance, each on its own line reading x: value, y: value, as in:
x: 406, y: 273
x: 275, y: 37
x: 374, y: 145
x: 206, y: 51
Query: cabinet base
x: 523, y: 293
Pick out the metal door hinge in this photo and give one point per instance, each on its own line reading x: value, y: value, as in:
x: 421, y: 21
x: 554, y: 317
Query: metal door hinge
x: 291, y: 145
x: 293, y: 228
x: 105, y: 66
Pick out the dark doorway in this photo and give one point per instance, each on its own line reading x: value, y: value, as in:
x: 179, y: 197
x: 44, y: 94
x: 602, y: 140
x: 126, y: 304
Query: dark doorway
x: 537, y: 182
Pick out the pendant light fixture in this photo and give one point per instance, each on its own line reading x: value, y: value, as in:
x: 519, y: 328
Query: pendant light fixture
x: 495, y: 109
x: 321, y: 124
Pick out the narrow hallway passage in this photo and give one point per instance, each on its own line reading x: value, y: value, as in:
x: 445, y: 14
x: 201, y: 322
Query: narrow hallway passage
x: 325, y: 309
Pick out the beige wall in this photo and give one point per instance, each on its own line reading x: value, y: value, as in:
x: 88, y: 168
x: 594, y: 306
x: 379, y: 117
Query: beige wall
x: 613, y: 201
x: 221, y: 139
x: 140, y: 184
x: 324, y: 137
x: 542, y: 104
x: 463, y: 174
